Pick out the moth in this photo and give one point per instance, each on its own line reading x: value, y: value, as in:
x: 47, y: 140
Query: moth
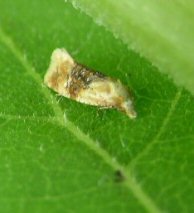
x: 78, y: 82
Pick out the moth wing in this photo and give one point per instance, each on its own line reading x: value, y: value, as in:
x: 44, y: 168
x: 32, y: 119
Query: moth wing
x: 99, y: 93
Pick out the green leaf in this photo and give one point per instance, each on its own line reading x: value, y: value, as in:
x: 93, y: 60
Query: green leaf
x: 161, y: 31
x: 57, y: 155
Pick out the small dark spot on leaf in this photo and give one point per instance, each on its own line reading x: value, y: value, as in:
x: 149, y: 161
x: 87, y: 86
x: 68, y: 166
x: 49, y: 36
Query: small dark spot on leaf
x: 118, y: 176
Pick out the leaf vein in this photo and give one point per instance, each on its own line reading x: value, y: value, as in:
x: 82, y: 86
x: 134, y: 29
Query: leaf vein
x: 160, y: 131
x: 31, y: 118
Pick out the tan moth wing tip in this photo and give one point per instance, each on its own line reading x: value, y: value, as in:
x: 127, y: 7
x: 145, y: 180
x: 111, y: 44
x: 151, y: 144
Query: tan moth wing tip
x: 58, y: 57
x: 61, y: 54
x: 128, y: 108
x: 132, y: 114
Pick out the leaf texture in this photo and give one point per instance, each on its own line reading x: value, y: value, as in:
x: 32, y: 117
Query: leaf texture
x: 59, y: 155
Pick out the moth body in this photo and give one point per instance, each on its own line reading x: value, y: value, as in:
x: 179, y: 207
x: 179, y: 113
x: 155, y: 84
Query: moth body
x: 73, y: 80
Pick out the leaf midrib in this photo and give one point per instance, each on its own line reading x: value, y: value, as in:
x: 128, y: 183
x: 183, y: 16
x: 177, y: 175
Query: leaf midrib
x: 130, y: 181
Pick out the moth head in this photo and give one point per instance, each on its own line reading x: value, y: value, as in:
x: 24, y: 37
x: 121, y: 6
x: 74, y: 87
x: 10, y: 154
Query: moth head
x: 60, y: 66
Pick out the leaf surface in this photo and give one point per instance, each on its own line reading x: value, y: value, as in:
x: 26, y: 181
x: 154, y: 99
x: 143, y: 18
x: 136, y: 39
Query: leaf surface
x: 59, y: 155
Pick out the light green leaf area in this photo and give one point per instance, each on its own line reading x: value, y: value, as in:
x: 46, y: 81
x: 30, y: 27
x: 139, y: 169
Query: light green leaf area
x: 57, y: 155
x: 162, y: 31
